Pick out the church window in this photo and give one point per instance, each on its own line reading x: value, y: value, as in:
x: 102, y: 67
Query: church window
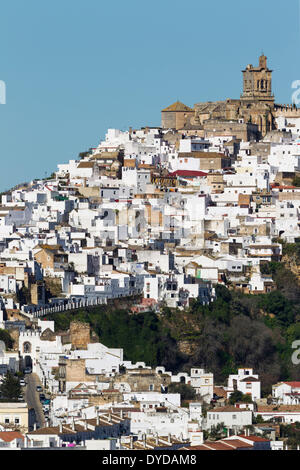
x: 26, y: 347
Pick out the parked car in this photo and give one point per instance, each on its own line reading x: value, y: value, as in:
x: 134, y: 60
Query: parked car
x: 46, y: 401
x: 39, y: 388
x: 22, y: 383
x: 42, y: 397
x: 27, y: 370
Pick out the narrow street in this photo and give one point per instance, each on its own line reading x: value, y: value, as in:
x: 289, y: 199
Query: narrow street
x: 32, y: 397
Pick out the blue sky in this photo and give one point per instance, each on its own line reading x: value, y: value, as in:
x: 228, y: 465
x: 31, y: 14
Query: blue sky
x: 73, y: 68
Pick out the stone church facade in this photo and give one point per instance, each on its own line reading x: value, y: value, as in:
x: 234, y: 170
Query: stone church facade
x: 250, y: 117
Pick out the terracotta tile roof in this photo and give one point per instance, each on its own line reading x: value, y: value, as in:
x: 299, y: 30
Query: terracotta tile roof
x: 49, y: 247
x: 244, y: 199
x: 8, y: 436
x: 105, y: 156
x: 146, y: 166
x: 129, y: 162
x: 254, y: 438
x: 66, y: 429
x: 86, y: 165
x: 223, y: 444
x: 177, y: 106
x: 220, y: 392
x: 293, y: 384
x: 200, y: 447
x: 236, y: 443
x: 45, y: 431
x: 227, y: 409
x: 216, y: 445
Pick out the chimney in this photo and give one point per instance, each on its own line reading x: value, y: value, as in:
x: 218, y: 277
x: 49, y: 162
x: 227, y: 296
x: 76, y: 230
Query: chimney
x: 144, y: 440
x: 73, y: 424
x: 60, y: 427
x: 169, y: 439
x: 121, y: 414
x: 156, y: 439
x: 97, y: 419
x: 131, y: 442
x: 34, y: 427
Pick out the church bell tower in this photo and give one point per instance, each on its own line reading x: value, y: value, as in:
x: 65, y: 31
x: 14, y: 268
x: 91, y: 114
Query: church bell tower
x: 257, y: 82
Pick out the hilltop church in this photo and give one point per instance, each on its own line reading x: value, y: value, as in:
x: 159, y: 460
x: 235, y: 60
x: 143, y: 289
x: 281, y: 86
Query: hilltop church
x: 250, y: 117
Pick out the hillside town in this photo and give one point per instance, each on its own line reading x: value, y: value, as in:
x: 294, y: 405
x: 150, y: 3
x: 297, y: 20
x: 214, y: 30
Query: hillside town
x: 160, y: 216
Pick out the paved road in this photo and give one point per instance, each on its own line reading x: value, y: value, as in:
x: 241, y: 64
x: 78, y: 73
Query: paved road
x: 33, y: 399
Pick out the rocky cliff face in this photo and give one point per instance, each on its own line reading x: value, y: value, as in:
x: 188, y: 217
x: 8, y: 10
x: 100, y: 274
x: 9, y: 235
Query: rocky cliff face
x: 187, y: 347
x: 291, y: 262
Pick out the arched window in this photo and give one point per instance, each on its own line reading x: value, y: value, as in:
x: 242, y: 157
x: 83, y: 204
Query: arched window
x: 27, y: 347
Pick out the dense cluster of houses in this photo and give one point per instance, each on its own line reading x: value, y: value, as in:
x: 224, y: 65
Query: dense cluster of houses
x: 98, y: 400
x: 163, y: 217
x: 151, y: 212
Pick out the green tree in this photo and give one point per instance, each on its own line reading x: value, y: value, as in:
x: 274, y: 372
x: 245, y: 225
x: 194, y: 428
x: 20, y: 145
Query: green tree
x: 217, y: 432
x: 238, y: 396
x: 6, y: 338
x: 10, y: 388
x: 235, y: 397
x: 258, y: 419
x: 296, y: 181
x: 186, y: 391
